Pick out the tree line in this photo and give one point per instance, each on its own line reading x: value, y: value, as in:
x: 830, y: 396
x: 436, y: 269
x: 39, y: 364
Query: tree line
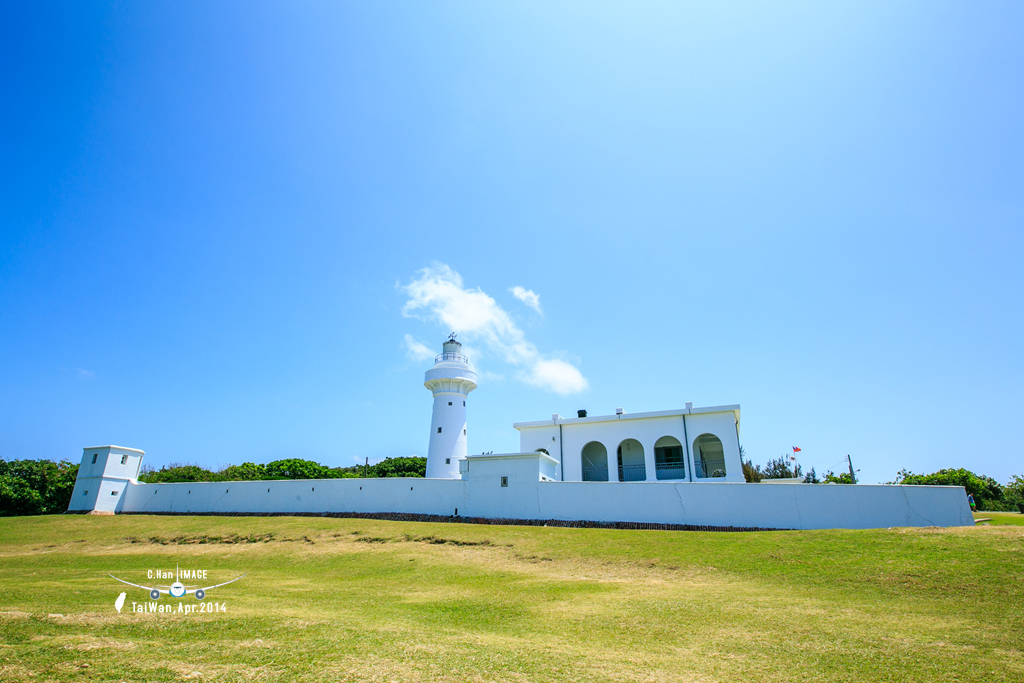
x: 290, y: 468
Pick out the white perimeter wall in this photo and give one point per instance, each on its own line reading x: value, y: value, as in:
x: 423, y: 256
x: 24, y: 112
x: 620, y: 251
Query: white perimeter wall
x: 795, y: 506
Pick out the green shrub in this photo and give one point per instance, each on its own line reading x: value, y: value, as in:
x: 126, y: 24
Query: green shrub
x: 36, y: 487
x: 176, y: 472
x: 988, y: 494
x: 294, y: 468
x: 831, y: 477
x: 247, y: 471
x: 400, y: 467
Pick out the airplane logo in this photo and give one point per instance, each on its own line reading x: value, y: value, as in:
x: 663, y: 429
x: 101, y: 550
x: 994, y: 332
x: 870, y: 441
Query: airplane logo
x: 176, y: 589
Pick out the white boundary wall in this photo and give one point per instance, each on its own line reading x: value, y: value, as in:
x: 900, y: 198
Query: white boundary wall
x: 527, y: 496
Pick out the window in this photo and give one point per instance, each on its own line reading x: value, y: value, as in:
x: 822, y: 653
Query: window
x: 114, y: 493
x: 449, y: 402
x: 124, y: 459
x: 438, y: 430
x: 447, y: 461
x: 85, y: 493
x: 504, y: 482
x: 463, y: 404
x: 94, y: 456
x: 463, y: 431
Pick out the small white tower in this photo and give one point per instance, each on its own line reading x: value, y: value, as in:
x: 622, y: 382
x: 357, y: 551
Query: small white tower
x: 104, y: 475
x: 450, y: 380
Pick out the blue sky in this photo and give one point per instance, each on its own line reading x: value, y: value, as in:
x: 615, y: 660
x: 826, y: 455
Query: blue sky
x: 227, y: 230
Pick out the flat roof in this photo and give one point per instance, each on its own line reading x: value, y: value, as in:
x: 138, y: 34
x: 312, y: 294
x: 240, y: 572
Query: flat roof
x: 511, y: 456
x: 120, y: 448
x: 735, y: 409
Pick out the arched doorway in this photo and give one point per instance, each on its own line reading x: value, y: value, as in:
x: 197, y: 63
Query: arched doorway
x: 708, y: 457
x: 631, y: 461
x: 594, y: 458
x: 668, y: 458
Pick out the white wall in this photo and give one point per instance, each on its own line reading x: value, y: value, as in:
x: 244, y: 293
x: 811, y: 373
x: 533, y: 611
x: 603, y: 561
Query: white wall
x: 798, y: 506
x: 422, y: 496
x: 546, y: 437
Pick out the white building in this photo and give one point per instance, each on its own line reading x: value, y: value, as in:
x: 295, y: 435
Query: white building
x: 103, y: 476
x: 679, y: 468
x: 690, y: 444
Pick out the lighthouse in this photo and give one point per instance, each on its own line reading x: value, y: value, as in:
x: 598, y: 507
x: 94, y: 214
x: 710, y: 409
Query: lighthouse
x: 450, y: 381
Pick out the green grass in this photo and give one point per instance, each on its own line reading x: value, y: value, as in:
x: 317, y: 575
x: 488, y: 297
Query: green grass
x: 336, y: 599
x: 997, y: 518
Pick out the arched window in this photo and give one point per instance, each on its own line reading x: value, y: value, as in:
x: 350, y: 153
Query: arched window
x: 631, y: 461
x: 708, y: 457
x: 594, y: 458
x: 668, y: 458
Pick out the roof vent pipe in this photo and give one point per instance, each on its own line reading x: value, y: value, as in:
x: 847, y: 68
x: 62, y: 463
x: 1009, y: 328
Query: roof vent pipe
x: 581, y: 413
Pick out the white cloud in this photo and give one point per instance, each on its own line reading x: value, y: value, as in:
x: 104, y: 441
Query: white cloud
x: 557, y: 376
x: 86, y: 374
x: 528, y: 297
x: 438, y: 295
x: 417, y: 350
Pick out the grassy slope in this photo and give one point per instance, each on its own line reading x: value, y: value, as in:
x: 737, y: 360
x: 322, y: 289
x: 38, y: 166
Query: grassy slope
x: 997, y: 518
x: 335, y: 599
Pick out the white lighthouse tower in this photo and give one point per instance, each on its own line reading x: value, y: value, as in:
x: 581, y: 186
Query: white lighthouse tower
x: 450, y: 380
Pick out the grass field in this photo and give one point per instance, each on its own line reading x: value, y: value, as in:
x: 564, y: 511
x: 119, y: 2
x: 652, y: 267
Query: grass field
x: 339, y: 599
x: 998, y: 518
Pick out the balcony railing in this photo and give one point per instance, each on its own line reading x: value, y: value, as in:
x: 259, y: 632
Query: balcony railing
x: 632, y: 473
x: 451, y: 357
x: 670, y: 470
x: 709, y: 469
x: 595, y: 474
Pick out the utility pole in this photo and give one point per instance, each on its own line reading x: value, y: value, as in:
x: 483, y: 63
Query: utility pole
x: 366, y: 467
x: 853, y: 477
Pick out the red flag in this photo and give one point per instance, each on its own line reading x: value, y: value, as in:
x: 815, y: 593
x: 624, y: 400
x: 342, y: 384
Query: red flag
x: 795, y: 449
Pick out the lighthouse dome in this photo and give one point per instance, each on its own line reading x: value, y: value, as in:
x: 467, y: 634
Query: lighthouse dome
x: 452, y: 346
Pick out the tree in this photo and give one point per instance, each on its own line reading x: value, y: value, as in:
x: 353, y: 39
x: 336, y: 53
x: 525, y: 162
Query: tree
x: 400, y: 467
x: 177, y: 472
x: 17, y: 497
x: 247, y: 471
x: 831, y: 477
x: 36, y: 487
x: 779, y: 469
x: 988, y: 494
x: 294, y: 468
x: 1014, y: 490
